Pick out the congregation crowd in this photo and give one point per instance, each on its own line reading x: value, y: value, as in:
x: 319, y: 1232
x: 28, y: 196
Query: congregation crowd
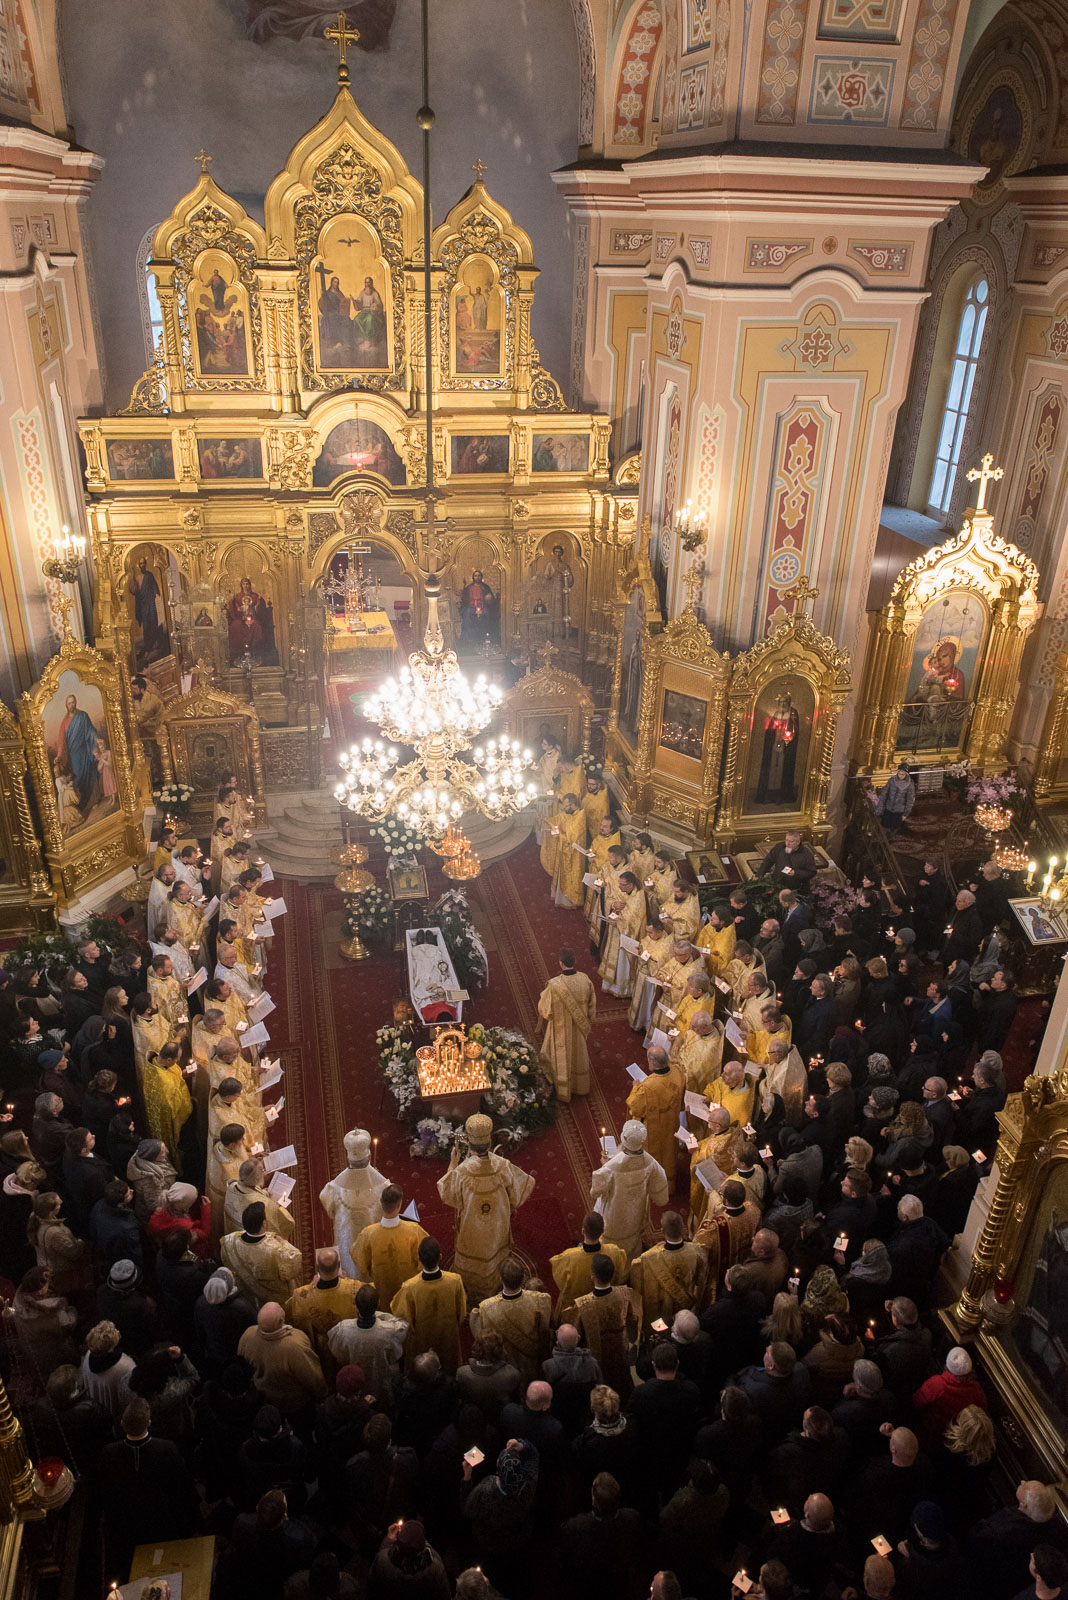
x: 735, y: 1382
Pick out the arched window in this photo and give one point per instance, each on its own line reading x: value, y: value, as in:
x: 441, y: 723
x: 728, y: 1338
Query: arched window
x: 151, y: 314
x: 958, y: 396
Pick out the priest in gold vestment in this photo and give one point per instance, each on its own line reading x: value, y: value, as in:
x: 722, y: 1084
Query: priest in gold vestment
x: 386, y: 1252
x: 596, y: 803
x: 655, y: 949
x: 572, y: 1269
x: 657, y: 1102
x: 699, y: 1051
x: 483, y: 1189
x: 521, y: 1316
x: 263, y: 1263
x: 673, y: 977
x: 624, y: 918
x: 660, y: 882
x: 786, y: 1076
x: 721, y: 1145
x: 735, y: 1091
x: 251, y: 1185
x: 602, y: 840
x: 570, y: 865
x: 681, y: 912
x: 670, y: 1276
x: 717, y: 939
x: 726, y: 1236
x: 434, y: 1306
x: 568, y: 1005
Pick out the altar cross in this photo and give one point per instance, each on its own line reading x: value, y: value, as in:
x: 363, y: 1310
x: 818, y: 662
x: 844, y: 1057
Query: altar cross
x: 801, y: 592
x: 690, y: 583
x: 984, y: 474
x: 343, y: 36
x: 547, y: 651
x: 204, y: 159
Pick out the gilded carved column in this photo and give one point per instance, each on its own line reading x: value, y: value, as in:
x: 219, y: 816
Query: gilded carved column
x: 999, y: 686
x: 894, y: 679
x: 612, y: 724
x: 1054, y: 732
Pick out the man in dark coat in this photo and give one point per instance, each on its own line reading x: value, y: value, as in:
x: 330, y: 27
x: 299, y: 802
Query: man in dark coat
x: 666, y: 1409
x: 604, y: 1549
x: 965, y: 930
x: 85, y: 1177
x: 818, y: 1020
x: 113, y: 1227
x: 977, y: 1119
x: 995, y: 1009
x: 791, y: 864
x: 904, y: 1355
x: 915, y: 1248
x: 146, y: 1490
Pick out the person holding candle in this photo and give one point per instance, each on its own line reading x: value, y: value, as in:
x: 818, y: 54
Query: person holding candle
x: 570, y: 864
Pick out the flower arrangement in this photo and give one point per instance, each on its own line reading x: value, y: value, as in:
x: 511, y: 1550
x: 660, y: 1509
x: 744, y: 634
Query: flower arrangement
x: 112, y: 935
x: 452, y: 915
x: 520, y: 1098
x: 832, y: 900
x: 51, y: 953
x: 174, y: 798
x: 399, y: 839
x: 991, y: 790
x: 368, y: 914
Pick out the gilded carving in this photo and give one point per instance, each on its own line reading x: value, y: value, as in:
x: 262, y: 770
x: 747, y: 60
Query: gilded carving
x: 204, y: 709
x: 345, y: 181
x: 210, y: 228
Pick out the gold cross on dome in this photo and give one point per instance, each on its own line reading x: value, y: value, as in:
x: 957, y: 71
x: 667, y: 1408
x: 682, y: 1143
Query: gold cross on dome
x: 343, y: 36
x: 204, y: 159
x: 984, y: 474
x: 691, y: 581
x: 801, y: 591
x: 479, y: 168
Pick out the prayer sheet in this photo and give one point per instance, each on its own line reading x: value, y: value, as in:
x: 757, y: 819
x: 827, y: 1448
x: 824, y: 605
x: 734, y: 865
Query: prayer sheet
x: 261, y: 1008
x: 697, y: 1104
x: 281, y: 1187
x: 708, y: 1174
x: 276, y: 1160
x: 635, y: 1072
x: 256, y: 1035
x: 200, y: 976
x: 735, y: 1034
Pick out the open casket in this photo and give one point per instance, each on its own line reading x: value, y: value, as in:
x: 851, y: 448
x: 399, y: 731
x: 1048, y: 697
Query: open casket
x: 432, y: 981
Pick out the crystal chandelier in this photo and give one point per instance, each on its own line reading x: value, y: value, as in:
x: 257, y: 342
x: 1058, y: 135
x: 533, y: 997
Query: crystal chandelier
x: 435, y: 711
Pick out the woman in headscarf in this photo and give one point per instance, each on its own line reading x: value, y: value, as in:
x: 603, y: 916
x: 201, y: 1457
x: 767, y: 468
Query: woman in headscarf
x: 866, y: 1281
x: 909, y: 1124
x: 221, y: 1316
x: 956, y: 1190
x: 149, y: 1173
x: 501, y: 1507
x: 823, y: 1298
x: 44, y: 1321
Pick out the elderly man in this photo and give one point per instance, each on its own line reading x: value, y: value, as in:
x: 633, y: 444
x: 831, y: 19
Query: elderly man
x: 791, y: 864
x: 352, y: 1200
x: 787, y: 1077
x: 734, y: 1090
x: 624, y: 1187
x: 1000, y: 1546
x: 672, y: 978
x: 720, y: 1145
x: 285, y: 1368
x: 264, y: 1265
x: 965, y: 931
x: 249, y: 1186
x: 657, y: 1101
x: 699, y: 1051
x: 483, y: 1189
x: 570, y: 1362
x: 670, y: 1276
x: 769, y: 946
x: 915, y: 1248
x: 757, y: 995
x: 571, y: 1269
x: 681, y: 912
x: 521, y: 1317
x: 320, y: 1305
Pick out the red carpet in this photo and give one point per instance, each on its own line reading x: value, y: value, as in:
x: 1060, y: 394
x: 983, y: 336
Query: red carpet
x: 329, y: 1009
